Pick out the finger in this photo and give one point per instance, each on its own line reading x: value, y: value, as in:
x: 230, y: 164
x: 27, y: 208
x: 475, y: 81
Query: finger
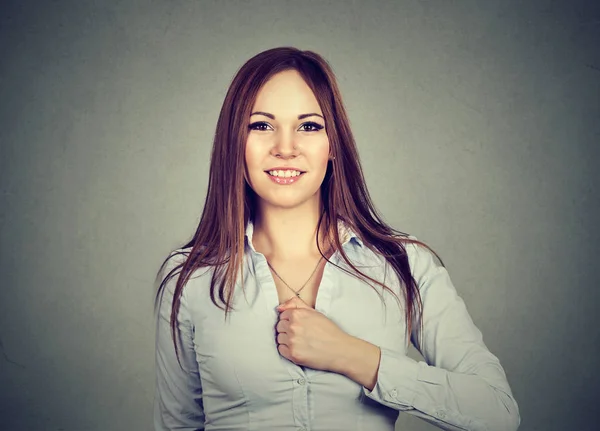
x: 287, y: 302
x: 286, y: 314
x: 285, y: 306
x: 300, y: 303
x: 293, y: 302
x: 282, y: 326
x: 284, y: 351
x: 282, y: 339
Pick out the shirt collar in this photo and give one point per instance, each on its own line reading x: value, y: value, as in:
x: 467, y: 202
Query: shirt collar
x: 344, y: 231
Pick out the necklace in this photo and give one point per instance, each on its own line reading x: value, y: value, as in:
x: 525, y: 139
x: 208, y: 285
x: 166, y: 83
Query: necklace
x: 296, y: 292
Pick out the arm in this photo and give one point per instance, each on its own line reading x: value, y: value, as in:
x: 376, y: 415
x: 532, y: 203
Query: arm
x: 178, y: 398
x: 461, y: 387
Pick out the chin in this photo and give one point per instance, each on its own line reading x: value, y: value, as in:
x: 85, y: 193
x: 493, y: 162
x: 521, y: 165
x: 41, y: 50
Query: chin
x: 285, y: 200
x: 285, y: 203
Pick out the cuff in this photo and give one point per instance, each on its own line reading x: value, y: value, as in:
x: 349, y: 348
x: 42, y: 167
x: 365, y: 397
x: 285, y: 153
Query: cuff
x: 398, y: 381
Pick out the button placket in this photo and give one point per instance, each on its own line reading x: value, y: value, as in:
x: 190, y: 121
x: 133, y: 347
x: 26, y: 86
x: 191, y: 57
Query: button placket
x: 300, y: 401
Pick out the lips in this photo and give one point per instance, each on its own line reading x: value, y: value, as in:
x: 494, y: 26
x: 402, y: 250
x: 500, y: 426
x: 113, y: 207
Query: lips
x: 284, y: 168
x: 285, y: 180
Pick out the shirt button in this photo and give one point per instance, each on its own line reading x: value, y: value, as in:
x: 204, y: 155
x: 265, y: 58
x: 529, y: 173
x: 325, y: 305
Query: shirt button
x: 441, y: 414
x: 393, y: 393
x: 301, y: 382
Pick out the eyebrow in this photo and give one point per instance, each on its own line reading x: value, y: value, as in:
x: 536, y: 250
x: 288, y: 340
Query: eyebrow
x: 300, y: 117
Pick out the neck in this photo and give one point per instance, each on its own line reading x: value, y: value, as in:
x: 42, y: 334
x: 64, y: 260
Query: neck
x: 289, y: 233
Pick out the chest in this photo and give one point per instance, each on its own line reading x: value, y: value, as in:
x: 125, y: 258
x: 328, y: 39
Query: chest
x: 238, y: 358
x: 301, y: 279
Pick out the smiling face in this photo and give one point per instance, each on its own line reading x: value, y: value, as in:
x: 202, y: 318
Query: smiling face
x: 286, y: 129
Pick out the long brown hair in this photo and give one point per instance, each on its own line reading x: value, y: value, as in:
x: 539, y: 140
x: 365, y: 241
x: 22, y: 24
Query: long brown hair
x: 230, y: 202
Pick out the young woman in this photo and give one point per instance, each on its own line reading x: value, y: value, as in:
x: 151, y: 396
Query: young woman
x: 293, y: 305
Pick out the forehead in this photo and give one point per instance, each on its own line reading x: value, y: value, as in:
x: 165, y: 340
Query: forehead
x: 286, y: 93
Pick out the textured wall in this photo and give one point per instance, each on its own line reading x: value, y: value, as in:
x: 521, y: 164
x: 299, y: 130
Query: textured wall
x: 477, y: 124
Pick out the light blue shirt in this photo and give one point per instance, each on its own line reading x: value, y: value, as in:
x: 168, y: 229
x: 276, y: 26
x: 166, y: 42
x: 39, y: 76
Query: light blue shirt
x: 235, y: 379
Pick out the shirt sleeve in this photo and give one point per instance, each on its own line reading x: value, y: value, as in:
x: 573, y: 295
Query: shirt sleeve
x: 462, y: 386
x: 178, y: 396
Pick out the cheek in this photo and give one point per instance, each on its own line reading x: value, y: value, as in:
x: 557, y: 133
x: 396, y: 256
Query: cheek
x: 251, y: 154
x: 250, y: 161
x: 321, y: 152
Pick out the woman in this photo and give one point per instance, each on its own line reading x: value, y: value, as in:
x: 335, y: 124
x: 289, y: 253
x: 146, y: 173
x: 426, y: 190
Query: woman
x: 293, y: 306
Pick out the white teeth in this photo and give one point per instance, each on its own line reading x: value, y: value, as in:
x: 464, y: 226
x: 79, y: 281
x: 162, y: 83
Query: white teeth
x: 286, y: 173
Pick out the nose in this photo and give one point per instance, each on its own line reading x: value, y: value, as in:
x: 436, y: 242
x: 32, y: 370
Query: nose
x: 285, y: 146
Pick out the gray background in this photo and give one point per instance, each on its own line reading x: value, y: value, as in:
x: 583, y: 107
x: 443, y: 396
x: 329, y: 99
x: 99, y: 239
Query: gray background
x: 477, y: 124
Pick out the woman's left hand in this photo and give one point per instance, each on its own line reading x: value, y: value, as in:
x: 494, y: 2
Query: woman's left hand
x: 308, y: 338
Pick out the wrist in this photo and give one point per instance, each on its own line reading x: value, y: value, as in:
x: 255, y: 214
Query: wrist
x: 359, y: 361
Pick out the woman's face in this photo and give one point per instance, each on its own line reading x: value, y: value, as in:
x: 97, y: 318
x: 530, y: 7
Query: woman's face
x: 286, y: 114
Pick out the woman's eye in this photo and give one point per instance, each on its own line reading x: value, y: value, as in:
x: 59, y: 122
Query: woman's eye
x: 313, y: 127
x: 260, y: 126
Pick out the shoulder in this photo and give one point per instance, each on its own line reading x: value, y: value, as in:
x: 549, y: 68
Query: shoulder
x: 412, y: 248
x: 175, y: 262
x: 171, y: 271
x: 175, y: 259
x: 422, y: 259
x: 415, y: 247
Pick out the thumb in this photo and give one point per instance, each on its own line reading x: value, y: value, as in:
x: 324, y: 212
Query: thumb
x: 293, y: 302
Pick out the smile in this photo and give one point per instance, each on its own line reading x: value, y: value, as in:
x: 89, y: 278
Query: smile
x: 284, y: 180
